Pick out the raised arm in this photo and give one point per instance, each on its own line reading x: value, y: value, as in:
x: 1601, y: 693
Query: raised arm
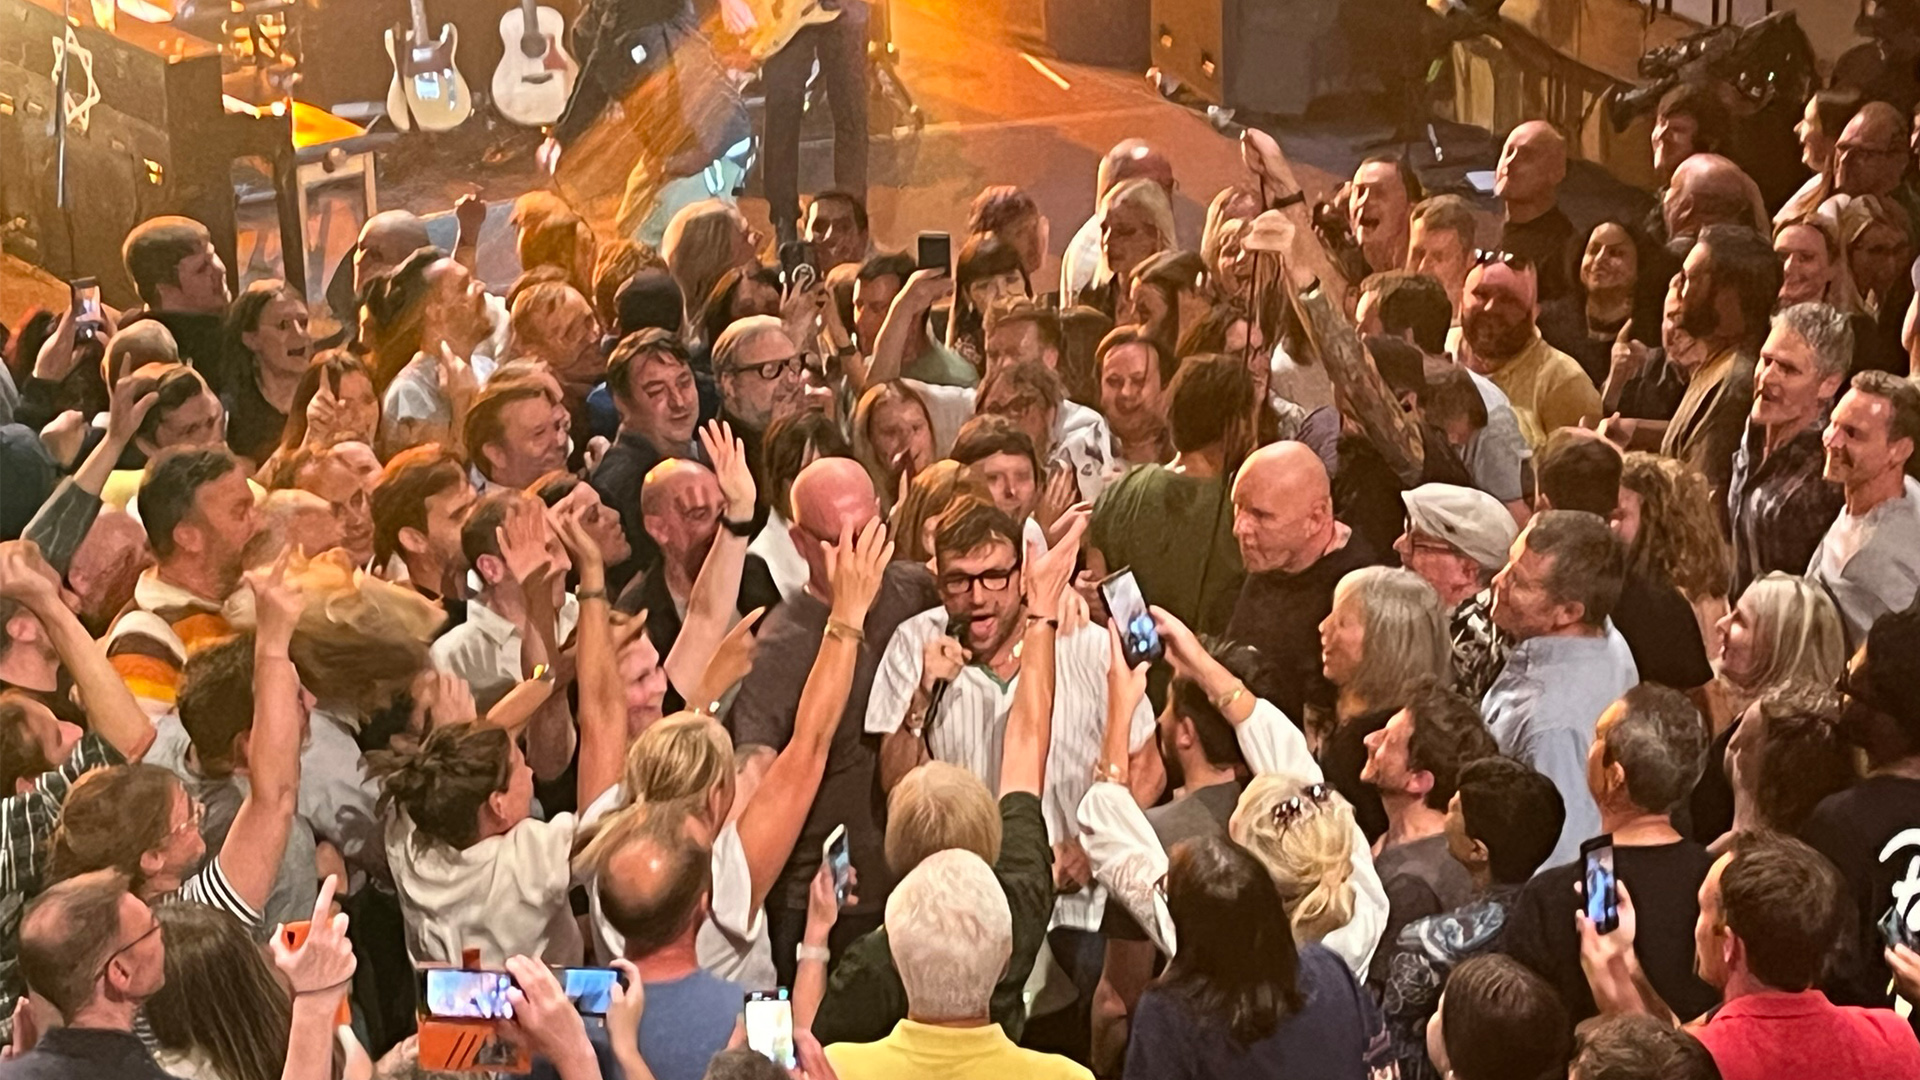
x: 524, y: 542
x: 603, y: 710
x: 1029, y: 734
x: 61, y: 523
x: 714, y: 604
x: 900, y: 329
x: 319, y: 973
x: 250, y: 858
x: 771, y: 822
x: 111, y: 711
x: 1358, y: 388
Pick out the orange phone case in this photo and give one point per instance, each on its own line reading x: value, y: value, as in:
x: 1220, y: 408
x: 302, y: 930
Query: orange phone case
x: 295, y: 935
x: 469, y: 1046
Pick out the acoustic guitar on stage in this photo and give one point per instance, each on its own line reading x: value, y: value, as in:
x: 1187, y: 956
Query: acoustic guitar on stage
x: 428, y: 91
x: 777, y: 21
x: 535, y: 75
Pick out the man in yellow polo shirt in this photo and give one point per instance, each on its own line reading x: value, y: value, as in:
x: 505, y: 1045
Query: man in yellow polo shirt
x: 1547, y: 387
x: 951, y: 933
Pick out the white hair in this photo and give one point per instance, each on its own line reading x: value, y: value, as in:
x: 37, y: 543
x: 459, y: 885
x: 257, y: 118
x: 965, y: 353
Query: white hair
x: 951, y: 933
x: 738, y: 335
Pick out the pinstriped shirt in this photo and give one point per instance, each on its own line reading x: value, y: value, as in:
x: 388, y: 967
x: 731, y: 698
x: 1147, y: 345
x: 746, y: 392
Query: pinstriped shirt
x: 972, y: 723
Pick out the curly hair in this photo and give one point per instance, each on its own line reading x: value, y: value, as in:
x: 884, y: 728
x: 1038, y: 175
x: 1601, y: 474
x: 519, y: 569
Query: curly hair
x: 443, y: 782
x: 1679, y: 541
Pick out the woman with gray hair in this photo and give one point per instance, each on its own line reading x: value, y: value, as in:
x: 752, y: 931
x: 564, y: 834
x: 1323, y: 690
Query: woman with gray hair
x: 1384, y: 642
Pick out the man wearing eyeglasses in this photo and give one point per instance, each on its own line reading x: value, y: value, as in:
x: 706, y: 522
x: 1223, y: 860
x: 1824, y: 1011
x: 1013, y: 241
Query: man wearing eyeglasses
x: 96, y: 953
x: 969, y: 646
x: 762, y: 377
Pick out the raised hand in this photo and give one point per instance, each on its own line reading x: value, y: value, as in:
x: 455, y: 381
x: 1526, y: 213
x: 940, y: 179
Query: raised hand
x: 522, y: 539
x: 324, y: 962
x: 941, y: 658
x: 470, y: 210
x: 323, y: 415
x: 733, y: 659
x: 1048, y: 575
x: 456, y: 378
x: 580, y: 545
x: 924, y: 288
x: 1125, y: 685
x: 1183, y: 649
x: 729, y: 457
x: 823, y: 907
x: 855, y: 566
x: 629, y: 1004
x: 1060, y: 495
x: 25, y: 577
x: 277, y: 602
x: 543, y: 1018
x: 132, y: 399
x: 1261, y: 155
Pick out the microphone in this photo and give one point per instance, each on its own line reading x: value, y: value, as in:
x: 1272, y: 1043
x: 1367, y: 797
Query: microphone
x: 956, y: 626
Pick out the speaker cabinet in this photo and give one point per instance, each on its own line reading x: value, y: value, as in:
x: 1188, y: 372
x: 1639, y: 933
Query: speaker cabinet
x: 1262, y: 56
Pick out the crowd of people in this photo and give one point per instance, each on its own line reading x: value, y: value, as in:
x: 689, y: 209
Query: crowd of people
x: 578, y: 625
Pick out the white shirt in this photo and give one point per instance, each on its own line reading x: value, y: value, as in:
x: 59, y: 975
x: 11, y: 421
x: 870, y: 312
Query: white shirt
x: 485, y: 650
x: 972, y: 723
x: 1128, y: 859
x: 1080, y: 262
x: 949, y: 407
x: 1494, y: 453
x: 732, y: 943
x: 775, y: 547
x: 506, y: 895
x: 1870, y: 563
x: 338, y: 798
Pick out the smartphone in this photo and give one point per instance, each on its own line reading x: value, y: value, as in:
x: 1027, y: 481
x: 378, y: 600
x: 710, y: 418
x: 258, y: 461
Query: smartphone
x: 86, y: 299
x: 1139, y: 638
x: 590, y: 989
x: 936, y: 251
x: 294, y: 935
x: 839, y: 856
x: 1603, y: 894
x: 460, y: 994
x: 795, y: 254
x: 769, y: 1018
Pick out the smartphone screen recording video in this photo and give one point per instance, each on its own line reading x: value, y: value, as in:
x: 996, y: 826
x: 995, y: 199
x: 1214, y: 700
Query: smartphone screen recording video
x: 1139, y: 638
x: 1602, y: 888
x: 839, y: 858
x: 769, y: 1021
x: 457, y: 994
x: 590, y: 989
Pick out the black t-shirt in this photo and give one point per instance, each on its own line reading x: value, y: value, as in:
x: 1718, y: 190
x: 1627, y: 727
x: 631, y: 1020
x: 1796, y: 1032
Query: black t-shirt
x: 1662, y: 633
x: 1665, y: 883
x: 59, y: 701
x: 1342, y: 758
x: 1544, y: 242
x: 254, y: 426
x: 1280, y: 614
x: 1710, y: 809
x: 1366, y: 494
x: 1871, y: 831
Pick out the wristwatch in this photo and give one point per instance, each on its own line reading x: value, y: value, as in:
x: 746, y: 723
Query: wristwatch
x: 743, y: 529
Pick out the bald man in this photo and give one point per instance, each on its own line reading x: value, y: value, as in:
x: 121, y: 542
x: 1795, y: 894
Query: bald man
x: 1295, y: 553
x: 830, y: 496
x: 682, y: 510
x: 1708, y: 189
x: 1527, y: 181
x: 1500, y: 340
x: 1128, y: 158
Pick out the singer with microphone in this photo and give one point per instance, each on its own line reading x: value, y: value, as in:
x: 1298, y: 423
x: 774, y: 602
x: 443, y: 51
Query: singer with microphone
x: 945, y: 687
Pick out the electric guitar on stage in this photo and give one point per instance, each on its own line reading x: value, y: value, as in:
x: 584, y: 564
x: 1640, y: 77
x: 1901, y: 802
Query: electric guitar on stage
x: 427, y: 90
x: 777, y: 21
x: 535, y: 75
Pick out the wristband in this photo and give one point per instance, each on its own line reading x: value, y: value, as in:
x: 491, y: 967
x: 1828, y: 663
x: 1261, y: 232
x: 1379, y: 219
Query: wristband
x: 590, y: 594
x: 836, y: 628
x: 1227, y: 699
x: 1107, y: 771
x: 804, y: 952
x: 742, y: 529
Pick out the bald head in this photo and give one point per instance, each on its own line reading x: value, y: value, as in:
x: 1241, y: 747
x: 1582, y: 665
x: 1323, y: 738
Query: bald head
x: 680, y: 505
x: 385, y: 241
x: 1871, y: 154
x: 107, y: 565
x: 655, y: 873
x: 1130, y: 158
x: 1282, y: 508
x: 289, y: 516
x: 1532, y: 165
x: 830, y: 497
x: 1709, y: 189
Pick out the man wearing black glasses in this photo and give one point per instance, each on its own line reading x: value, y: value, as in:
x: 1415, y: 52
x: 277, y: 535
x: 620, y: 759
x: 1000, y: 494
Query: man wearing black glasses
x: 762, y: 377
x: 96, y: 953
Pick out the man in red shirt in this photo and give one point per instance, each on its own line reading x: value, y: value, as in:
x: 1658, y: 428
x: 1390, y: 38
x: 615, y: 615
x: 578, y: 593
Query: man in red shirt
x: 1770, y: 914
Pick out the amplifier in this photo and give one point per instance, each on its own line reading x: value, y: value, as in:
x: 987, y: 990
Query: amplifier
x: 1263, y: 56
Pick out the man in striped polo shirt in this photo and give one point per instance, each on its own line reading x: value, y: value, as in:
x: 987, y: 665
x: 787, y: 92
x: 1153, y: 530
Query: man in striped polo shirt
x: 970, y: 644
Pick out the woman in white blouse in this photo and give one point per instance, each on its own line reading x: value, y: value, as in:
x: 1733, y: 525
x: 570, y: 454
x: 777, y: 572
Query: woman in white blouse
x: 1289, y: 817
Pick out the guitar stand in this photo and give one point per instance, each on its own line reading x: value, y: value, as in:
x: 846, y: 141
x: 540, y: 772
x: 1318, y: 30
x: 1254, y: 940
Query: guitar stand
x: 883, y: 73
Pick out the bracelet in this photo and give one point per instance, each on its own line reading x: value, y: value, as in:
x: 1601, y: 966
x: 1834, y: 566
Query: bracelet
x: 836, y: 628
x: 590, y: 594
x: 742, y: 529
x: 1227, y: 699
x: 1108, y: 771
x: 804, y: 952
x: 1051, y: 621
x: 846, y: 350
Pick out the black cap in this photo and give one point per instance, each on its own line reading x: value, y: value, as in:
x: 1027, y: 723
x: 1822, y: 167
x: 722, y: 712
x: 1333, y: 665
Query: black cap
x: 650, y: 299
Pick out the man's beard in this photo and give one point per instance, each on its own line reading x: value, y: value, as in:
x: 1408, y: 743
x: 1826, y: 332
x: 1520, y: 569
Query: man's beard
x: 1698, y: 319
x: 1495, y: 340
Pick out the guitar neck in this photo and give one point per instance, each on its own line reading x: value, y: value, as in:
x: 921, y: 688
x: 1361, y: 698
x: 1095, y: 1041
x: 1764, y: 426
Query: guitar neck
x: 421, y: 33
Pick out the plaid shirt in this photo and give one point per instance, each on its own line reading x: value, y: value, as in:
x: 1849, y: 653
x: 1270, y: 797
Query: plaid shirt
x: 26, y: 820
x: 1780, y: 504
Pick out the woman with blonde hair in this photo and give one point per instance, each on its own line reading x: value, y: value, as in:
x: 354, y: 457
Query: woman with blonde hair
x: 1228, y: 217
x: 1874, y: 231
x: 1382, y: 645
x: 1136, y: 221
x: 893, y: 436
x: 1289, y: 817
x: 685, y: 765
x: 1784, y: 630
x: 1813, y: 256
x: 1666, y: 519
x: 702, y: 242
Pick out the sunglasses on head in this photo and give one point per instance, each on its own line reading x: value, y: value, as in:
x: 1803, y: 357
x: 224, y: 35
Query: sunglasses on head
x: 1311, y: 798
x: 1508, y: 259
